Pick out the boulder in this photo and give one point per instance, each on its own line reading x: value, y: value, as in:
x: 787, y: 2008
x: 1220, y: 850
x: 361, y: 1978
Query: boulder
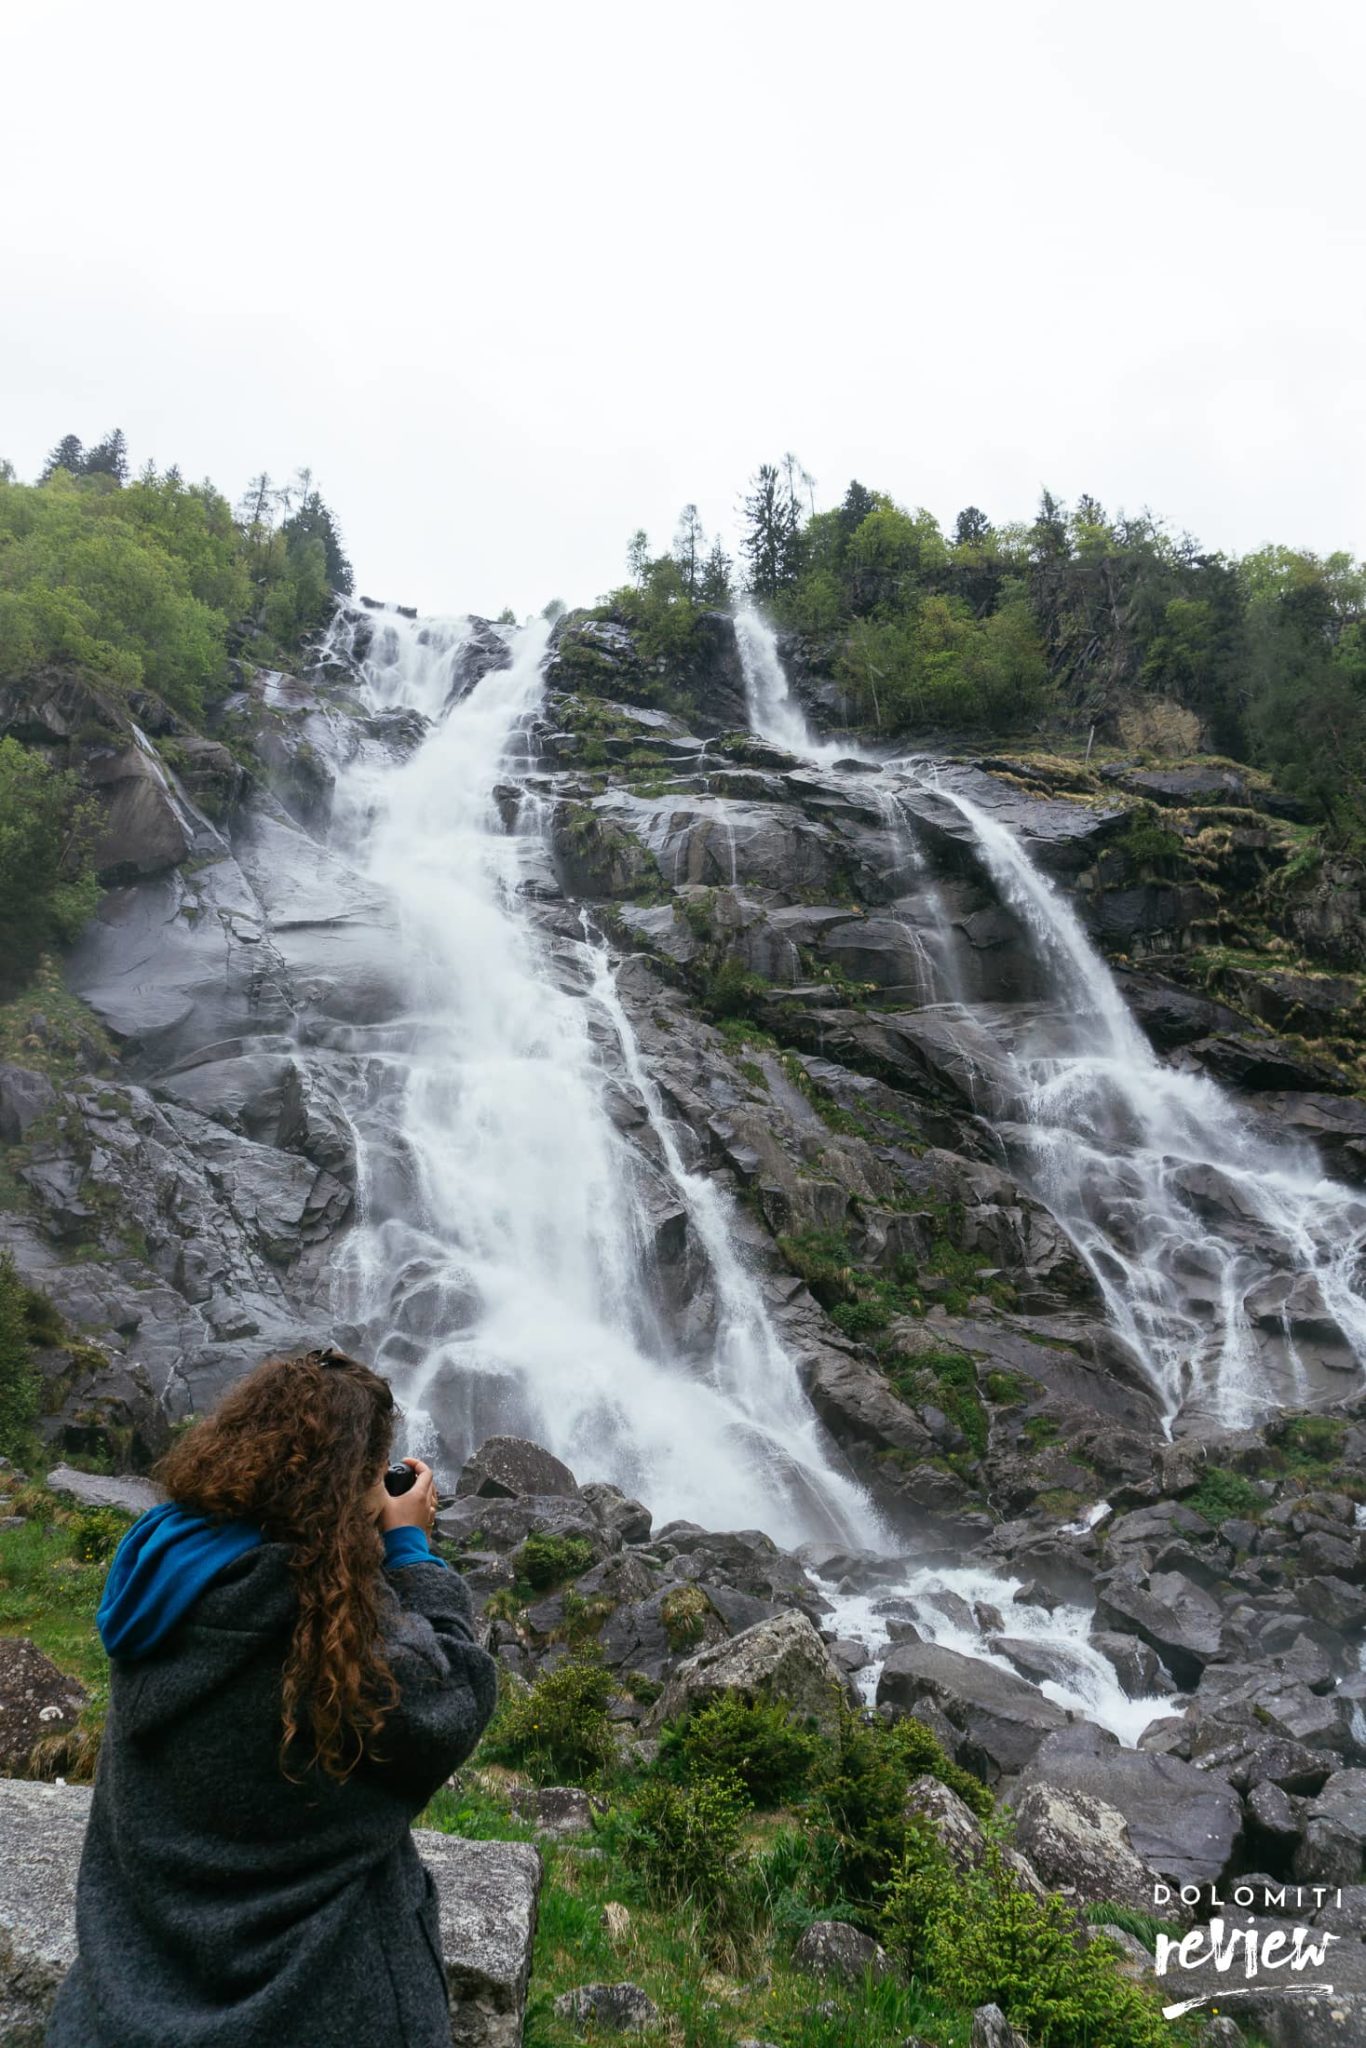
x: 1000, y: 1720
x: 36, y: 1699
x: 1182, y: 1823
x: 781, y: 1660
x: 510, y: 1468
x: 494, y: 1522
x: 833, y: 1949
x: 1172, y: 1615
x: 1078, y: 1841
x: 614, y: 2008
x: 648, y: 1636
x: 555, y: 1810
x: 1334, y: 1832
x: 949, y: 1818
x: 487, y: 1894
x: 991, y: 2029
x: 24, y: 1097
x: 146, y: 827
x: 487, y: 1891
x: 625, y: 1520
x: 95, y: 1490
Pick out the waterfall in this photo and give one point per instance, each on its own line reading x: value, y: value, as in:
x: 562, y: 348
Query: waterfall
x: 1211, y: 1243
x: 503, y: 1269
x: 1195, y: 1227
x: 774, y: 713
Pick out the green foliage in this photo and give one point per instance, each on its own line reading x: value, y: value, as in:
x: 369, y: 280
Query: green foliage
x: 49, y: 1593
x: 948, y: 1378
x: 1222, y: 1494
x: 859, y: 1830
x: 19, y: 1383
x: 141, y: 582
x: 683, y: 1612
x: 755, y: 1743
x: 47, y: 872
x: 96, y: 1533
x: 729, y: 990
x: 548, y: 1561
x: 558, y: 1732
x: 982, y: 1937
x: 1306, y: 1441
x: 1146, y: 841
x: 683, y: 1840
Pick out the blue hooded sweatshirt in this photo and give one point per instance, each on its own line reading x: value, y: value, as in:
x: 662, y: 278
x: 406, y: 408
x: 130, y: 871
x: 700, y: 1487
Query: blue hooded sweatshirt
x: 168, y: 1558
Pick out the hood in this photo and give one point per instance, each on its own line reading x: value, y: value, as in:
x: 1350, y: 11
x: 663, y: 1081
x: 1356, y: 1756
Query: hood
x: 163, y: 1564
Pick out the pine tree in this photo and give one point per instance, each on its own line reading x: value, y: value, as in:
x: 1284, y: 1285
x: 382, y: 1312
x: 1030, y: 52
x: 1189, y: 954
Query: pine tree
x: 314, y: 521
x: 770, y: 543
x: 972, y: 528
x: 859, y: 501
x: 689, y: 541
x: 109, y: 457
x: 715, y: 586
x: 68, y: 455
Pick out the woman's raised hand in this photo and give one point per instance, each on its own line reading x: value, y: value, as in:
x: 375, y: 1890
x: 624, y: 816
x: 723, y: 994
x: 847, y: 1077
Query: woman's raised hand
x: 415, y: 1509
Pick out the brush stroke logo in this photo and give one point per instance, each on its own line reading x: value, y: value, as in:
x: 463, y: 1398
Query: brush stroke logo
x: 1246, y: 1950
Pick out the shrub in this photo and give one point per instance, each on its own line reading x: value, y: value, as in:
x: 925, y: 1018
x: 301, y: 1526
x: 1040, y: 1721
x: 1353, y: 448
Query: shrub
x: 684, y: 1840
x: 47, y: 874
x: 758, y: 1745
x: 548, y: 1561
x: 558, y: 1732
x: 96, y: 1533
x: 684, y: 1612
x: 1221, y: 1494
x: 19, y: 1385
x: 982, y: 1937
x: 860, y: 1800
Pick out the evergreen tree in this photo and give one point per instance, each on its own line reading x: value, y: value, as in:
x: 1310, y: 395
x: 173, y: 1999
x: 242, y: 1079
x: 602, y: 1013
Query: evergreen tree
x: 972, y: 528
x: 638, y: 555
x: 772, y: 534
x: 68, y: 455
x: 689, y: 541
x: 109, y: 457
x: 858, y: 503
x: 714, y: 589
x: 314, y: 521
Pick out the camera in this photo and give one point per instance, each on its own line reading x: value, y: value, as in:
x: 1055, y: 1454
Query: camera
x: 399, y: 1478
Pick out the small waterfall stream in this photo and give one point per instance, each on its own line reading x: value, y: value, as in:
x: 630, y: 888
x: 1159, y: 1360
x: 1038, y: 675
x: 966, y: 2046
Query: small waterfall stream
x: 1147, y: 1168
x: 1211, y: 1243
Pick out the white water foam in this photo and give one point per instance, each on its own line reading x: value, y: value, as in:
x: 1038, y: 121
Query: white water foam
x: 501, y: 1270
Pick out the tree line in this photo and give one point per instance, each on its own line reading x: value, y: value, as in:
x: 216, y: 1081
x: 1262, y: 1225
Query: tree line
x: 1071, y: 623
x: 153, y: 581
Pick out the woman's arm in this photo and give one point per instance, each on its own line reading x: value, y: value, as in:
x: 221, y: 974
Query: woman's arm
x: 447, y: 1685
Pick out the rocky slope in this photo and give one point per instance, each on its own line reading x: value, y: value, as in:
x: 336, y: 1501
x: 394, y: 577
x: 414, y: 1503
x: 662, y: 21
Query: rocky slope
x: 179, y: 1123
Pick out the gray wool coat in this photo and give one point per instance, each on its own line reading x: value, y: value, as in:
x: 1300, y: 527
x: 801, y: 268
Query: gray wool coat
x: 221, y: 1906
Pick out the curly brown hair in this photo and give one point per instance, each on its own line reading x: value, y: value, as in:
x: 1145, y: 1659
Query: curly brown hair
x: 294, y: 1447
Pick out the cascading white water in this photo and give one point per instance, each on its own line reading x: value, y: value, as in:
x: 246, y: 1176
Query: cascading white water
x: 1208, y: 1240
x: 774, y: 713
x: 1147, y: 1167
x: 501, y: 1270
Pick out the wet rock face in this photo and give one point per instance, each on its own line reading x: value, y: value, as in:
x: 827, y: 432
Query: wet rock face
x: 1182, y: 1823
x: 999, y: 1721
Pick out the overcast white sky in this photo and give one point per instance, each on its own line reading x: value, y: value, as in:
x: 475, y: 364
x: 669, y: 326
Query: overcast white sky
x: 515, y: 279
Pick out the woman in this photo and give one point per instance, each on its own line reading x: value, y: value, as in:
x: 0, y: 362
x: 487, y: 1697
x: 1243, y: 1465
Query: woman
x: 293, y: 1675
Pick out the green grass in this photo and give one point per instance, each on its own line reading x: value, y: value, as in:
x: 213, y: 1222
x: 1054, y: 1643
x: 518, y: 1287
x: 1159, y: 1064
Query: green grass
x: 50, y: 1594
x: 664, y: 1951
x: 68, y: 1032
